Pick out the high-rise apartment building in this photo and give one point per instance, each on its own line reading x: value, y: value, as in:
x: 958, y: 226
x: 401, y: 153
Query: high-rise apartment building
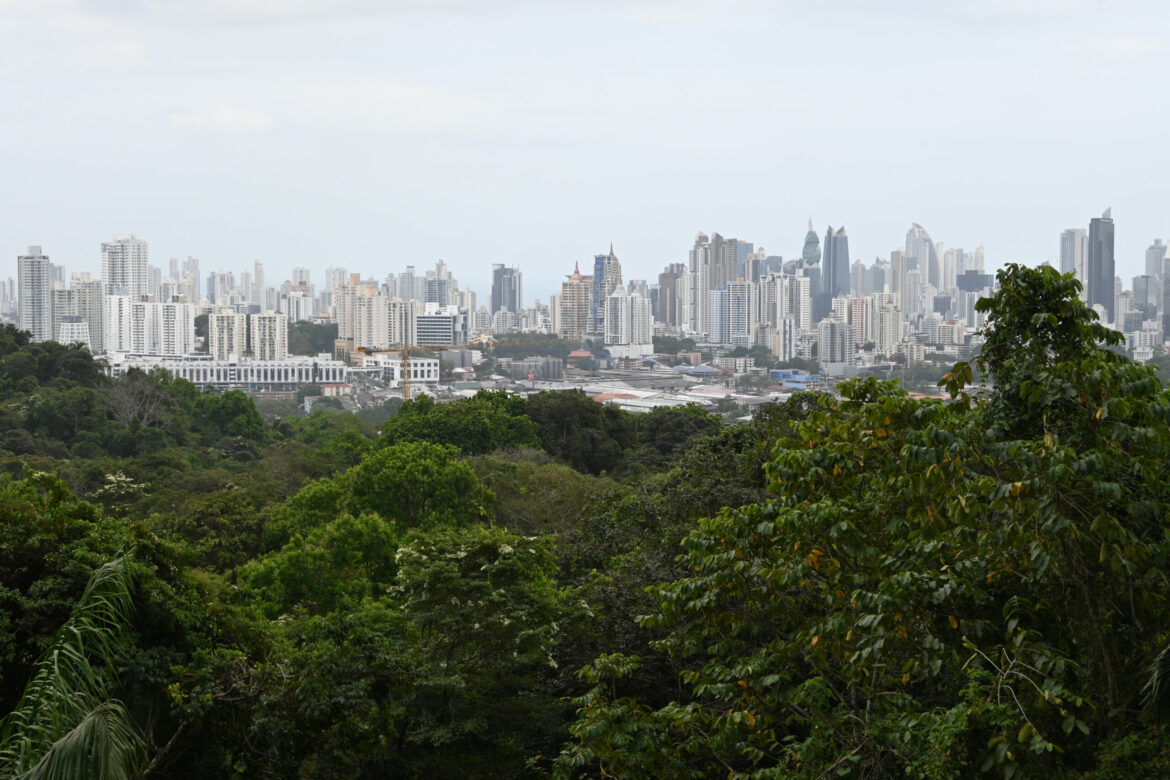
x: 269, y: 336
x: 162, y: 328
x: 345, y: 301
x: 698, y: 284
x: 88, y: 302
x: 835, y: 349
x: 1100, y: 270
x: 34, y: 294
x: 190, y: 275
x: 296, y: 304
x: 117, y: 335
x: 406, y: 285
x: 576, y: 305
x: 887, y: 334
x: 629, y: 325
x: 126, y: 267
x: 257, y: 284
x: 226, y: 334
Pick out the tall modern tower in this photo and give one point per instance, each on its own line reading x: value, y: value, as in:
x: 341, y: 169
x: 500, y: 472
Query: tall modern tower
x: 834, y: 272
x: 669, y: 304
x: 835, y: 268
x: 507, y: 289
x: 1156, y: 258
x: 920, y: 246
x: 1074, y: 249
x: 811, y: 254
x: 34, y: 291
x: 607, y: 277
x: 125, y: 266
x: 1100, y: 266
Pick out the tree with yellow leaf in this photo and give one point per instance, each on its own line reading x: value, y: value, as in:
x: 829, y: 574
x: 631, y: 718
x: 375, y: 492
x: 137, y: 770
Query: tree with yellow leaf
x: 936, y: 589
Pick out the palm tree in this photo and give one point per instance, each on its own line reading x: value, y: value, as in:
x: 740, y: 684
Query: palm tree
x: 65, y: 725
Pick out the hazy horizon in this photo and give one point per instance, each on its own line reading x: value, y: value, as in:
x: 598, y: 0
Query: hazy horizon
x: 375, y: 135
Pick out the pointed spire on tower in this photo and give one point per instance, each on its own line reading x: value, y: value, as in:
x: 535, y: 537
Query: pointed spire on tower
x: 810, y: 227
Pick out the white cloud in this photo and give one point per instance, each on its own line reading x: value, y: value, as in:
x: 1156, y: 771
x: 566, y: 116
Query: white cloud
x: 224, y: 119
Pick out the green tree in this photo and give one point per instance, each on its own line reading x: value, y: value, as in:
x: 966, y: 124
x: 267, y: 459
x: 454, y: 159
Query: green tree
x: 486, y: 422
x: 666, y: 433
x: 936, y: 589
x: 309, y: 338
x: 587, y: 435
x: 310, y: 389
x: 229, y: 414
x: 416, y: 485
x: 445, y: 672
x: 672, y: 345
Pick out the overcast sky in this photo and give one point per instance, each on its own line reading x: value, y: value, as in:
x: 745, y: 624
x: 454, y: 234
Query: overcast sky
x: 374, y: 135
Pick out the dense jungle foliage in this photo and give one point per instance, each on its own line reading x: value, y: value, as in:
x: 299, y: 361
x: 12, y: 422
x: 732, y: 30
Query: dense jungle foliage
x: 859, y: 585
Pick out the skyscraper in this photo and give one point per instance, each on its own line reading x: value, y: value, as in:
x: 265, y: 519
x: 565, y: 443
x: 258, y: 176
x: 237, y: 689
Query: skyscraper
x: 607, y: 277
x: 811, y: 254
x: 507, y: 292
x: 34, y: 292
x: 1100, y: 266
x: 1155, y: 257
x: 835, y: 268
x: 834, y: 272
x: 920, y: 246
x: 669, y: 303
x: 1074, y: 250
x: 698, y: 284
x: 125, y: 266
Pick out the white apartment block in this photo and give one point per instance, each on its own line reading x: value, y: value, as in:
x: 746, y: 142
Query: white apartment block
x: 116, y: 320
x: 226, y: 334
x: 269, y: 336
x: 34, y: 294
x: 126, y: 267
x: 629, y: 324
x: 379, y: 322
x: 162, y: 328
x: 887, y: 329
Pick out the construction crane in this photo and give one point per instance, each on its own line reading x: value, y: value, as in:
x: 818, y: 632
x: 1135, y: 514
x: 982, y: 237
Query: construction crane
x: 405, y: 363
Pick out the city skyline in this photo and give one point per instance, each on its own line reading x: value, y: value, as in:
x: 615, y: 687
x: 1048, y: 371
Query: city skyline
x: 376, y: 135
x: 539, y: 283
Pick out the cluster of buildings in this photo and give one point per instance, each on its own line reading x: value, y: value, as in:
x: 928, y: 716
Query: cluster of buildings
x: 820, y: 304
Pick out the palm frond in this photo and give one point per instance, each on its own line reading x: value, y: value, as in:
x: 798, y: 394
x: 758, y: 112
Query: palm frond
x: 74, y: 675
x: 105, y: 745
x: 1156, y: 691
